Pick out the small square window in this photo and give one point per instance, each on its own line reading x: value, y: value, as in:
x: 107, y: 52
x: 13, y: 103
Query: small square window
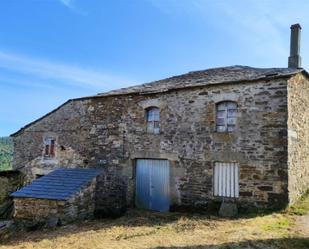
x: 49, y: 147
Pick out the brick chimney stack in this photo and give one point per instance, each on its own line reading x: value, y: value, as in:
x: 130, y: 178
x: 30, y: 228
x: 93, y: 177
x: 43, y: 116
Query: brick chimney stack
x: 295, y: 59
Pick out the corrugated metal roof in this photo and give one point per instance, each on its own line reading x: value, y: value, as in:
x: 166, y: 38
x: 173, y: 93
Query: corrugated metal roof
x: 60, y: 184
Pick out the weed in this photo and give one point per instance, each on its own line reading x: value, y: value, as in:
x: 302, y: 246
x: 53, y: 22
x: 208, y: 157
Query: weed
x: 301, y: 207
x: 279, y: 225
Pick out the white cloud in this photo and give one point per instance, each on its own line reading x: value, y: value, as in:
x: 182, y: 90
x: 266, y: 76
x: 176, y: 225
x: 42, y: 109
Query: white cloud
x: 72, y: 5
x: 47, y: 71
x: 67, y: 3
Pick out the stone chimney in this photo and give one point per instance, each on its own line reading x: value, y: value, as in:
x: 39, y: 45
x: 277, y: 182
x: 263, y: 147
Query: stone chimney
x: 295, y: 59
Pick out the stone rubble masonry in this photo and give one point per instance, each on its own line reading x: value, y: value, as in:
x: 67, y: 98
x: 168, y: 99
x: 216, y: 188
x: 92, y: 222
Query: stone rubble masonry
x: 10, y: 181
x: 298, y: 139
x: 80, y: 206
x: 110, y: 132
x: 110, y: 199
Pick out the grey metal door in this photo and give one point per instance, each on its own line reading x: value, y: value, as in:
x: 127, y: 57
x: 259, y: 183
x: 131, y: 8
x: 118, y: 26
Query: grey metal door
x: 152, y: 184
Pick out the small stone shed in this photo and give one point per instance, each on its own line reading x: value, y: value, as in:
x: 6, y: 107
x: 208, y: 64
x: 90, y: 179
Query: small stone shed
x: 60, y: 197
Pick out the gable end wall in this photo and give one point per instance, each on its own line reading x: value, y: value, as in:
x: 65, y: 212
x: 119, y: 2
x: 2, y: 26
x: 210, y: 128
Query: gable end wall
x: 298, y: 136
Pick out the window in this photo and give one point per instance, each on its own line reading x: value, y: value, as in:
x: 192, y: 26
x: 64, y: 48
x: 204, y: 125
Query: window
x: 153, y: 120
x: 226, y: 116
x: 226, y: 179
x: 49, y: 147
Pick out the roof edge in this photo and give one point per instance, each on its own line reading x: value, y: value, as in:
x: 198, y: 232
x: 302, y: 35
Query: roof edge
x: 39, y: 119
x: 302, y: 70
x: 82, y: 183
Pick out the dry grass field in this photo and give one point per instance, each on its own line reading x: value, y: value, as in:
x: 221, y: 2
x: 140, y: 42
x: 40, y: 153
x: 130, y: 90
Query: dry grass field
x: 141, y: 229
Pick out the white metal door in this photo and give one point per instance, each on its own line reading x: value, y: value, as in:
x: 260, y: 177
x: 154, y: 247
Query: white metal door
x: 226, y: 179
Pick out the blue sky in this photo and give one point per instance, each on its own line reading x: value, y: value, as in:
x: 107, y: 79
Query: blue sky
x: 53, y: 50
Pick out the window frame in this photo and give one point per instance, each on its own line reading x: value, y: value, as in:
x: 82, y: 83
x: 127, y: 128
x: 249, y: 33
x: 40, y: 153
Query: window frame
x: 49, y: 151
x: 153, y: 120
x: 229, y: 122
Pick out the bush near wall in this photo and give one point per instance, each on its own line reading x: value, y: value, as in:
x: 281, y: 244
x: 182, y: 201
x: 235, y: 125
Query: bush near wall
x: 6, y: 153
x: 10, y: 181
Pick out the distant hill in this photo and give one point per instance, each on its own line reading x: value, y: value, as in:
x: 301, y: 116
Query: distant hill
x: 6, y: 153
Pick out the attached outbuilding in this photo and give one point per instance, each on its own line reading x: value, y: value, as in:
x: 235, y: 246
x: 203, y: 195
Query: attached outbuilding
x: 60, y: 197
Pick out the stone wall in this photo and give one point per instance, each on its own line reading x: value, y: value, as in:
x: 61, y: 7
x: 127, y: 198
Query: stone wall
x: 10, y: 181
x: 110, y: 132
x: 53, y: 212
x: 111, y: 190
x: 298, y: 139
x: 29, y: 149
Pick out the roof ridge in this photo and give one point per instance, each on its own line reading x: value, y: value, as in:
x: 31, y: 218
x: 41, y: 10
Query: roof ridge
x: 217, y: 71
x: 210, y: 76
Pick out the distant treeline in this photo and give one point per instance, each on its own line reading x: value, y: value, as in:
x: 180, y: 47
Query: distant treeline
x: 6, y: 153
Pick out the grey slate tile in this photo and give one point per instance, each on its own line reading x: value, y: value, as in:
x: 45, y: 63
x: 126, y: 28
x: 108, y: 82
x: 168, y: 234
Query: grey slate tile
x: 60, y: 184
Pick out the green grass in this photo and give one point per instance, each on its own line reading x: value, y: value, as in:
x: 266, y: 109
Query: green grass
x: 301, y: 207
x: 280, y: 225
x: 6, y: 153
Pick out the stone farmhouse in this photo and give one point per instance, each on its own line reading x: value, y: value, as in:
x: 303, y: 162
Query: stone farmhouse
x: 232, y: 134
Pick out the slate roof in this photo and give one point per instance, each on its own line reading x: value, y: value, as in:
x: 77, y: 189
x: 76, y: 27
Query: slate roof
x: 220, y: 75
x: 61, y: 184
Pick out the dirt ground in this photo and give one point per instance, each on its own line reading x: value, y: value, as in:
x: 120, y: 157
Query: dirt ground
x: 302, y: 225
x: 143, y: 229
